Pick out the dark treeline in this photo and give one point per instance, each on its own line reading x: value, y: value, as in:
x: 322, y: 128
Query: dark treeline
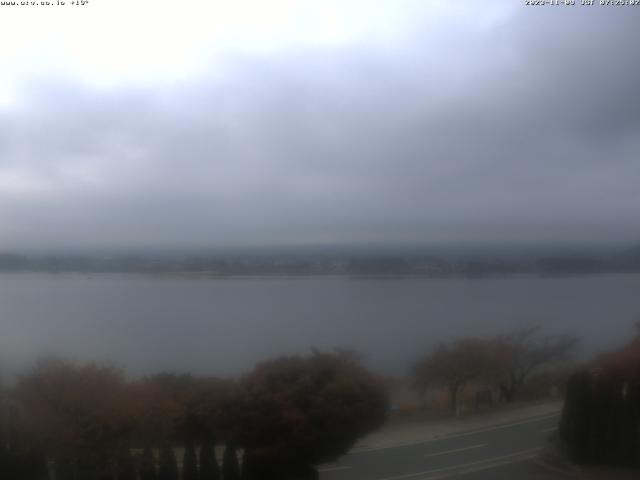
x: 388, y: 263
x: 600, y: 423
x: 88, y: 422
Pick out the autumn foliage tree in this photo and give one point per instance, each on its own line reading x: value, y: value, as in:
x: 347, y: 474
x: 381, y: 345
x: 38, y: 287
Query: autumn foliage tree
x: 181, y: 408
x: 160, y: 406
x: 300, y: 411
x: 81, y: 415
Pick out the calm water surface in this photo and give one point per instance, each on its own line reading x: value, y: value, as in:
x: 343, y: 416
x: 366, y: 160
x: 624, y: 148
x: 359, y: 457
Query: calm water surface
x: 223, y: 326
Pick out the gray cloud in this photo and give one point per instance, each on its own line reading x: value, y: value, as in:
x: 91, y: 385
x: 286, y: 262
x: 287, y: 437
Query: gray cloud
x: 525, y: 131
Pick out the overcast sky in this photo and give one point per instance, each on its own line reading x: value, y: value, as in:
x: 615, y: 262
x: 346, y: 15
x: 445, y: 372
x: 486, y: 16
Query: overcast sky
x: 133, y: 123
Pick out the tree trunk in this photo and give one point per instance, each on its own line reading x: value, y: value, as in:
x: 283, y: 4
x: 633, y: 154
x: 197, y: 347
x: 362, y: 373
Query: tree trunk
x: 230, y: 467
x: 147, y: 465
x: 168, y: 465
x: 209, y: 469
x: 189, y: 462
x: 453, y: 398
x: 510, y: 390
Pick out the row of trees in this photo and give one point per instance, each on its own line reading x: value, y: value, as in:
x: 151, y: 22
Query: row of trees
x: 287, y: 416
x: 600, y: 423
x: 503, y: 362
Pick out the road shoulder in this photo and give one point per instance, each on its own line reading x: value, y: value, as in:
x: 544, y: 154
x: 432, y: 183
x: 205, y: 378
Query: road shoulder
x: 398, y: 434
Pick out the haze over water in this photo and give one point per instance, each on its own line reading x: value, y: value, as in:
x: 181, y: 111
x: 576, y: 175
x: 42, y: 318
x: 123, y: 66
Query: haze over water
x: 223, y: 326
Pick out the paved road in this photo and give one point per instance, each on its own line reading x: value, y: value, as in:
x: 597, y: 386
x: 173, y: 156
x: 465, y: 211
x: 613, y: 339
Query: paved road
x: 501, y: 452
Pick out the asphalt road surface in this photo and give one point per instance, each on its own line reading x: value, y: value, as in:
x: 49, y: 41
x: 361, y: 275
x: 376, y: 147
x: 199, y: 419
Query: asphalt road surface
x: 500, y: 452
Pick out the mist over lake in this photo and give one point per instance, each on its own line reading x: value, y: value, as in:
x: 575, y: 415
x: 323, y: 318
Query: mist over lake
x: 223, y: 326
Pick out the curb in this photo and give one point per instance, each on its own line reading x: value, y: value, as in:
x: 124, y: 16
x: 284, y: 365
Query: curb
x: 569, y: 471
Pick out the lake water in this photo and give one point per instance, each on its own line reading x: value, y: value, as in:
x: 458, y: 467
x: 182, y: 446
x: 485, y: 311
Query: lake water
x: 223, y: 326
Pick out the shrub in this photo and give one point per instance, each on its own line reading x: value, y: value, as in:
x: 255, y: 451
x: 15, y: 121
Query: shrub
x: 305, y: 410
x: 81, y: 414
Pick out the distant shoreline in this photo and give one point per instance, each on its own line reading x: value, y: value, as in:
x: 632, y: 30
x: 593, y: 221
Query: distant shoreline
x: 302, y: 276
x: 355, y: 264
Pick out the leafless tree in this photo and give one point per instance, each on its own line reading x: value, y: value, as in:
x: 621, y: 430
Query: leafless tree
x: 525, y: 351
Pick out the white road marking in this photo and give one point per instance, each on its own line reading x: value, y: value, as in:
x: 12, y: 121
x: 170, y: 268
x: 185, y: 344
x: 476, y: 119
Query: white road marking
x: 333, y: 469
x: 486, y: 466
x: 455, y: 450
x: 469, y: 467
x: 456, y: 435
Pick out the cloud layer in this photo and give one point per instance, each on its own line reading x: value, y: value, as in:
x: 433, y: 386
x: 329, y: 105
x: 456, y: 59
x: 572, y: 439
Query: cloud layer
x: 457, y: 123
